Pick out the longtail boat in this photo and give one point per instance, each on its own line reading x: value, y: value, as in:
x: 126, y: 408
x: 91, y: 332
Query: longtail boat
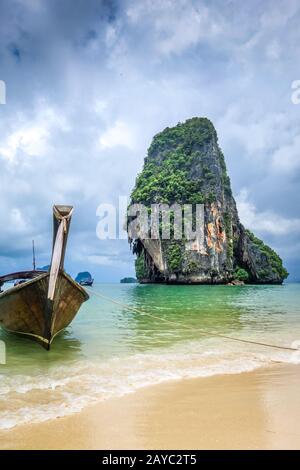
x: 46, y: 303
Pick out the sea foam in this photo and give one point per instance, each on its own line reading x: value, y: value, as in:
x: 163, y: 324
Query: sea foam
x: 69, y: 388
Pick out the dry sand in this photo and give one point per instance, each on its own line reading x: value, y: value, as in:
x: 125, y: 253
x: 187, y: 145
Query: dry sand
x: 256, y: 410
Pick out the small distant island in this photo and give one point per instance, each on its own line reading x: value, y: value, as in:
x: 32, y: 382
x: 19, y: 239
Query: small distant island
x: 44, y: 268
x: 84, y: 279
x: 128, y: 280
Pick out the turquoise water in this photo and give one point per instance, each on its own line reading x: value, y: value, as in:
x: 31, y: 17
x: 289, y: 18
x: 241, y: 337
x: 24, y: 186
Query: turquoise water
x: 110, y: 351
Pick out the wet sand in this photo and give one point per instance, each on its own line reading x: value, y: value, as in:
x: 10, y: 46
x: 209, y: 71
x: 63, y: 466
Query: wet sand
x: 255, y: 410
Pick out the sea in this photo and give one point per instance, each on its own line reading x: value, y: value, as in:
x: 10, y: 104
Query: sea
x: 150, y: 334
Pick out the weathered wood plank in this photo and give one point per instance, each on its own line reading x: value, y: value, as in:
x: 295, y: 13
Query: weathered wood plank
x: 20, y: 275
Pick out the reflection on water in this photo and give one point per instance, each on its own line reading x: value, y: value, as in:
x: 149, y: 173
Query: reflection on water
x: 194, y: 307
x: 23, y: 353
x: 231, y: 309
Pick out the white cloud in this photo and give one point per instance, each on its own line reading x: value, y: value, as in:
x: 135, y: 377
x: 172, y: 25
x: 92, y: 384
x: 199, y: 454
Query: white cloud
x: 32, y: 140
x: 100, y: 106
x: 184, y: 28
x: 286, y: 159
x: 176, y: 25
x: 266, y: 221
x: 32, y: 4
x: 276, y: 16
x: 31, y: 137
x: 102, y: 260
x: 257, y: 130
x: 17, y: 220
x: 111, y: 35
x: 120, y: 134
x: 273, y: 50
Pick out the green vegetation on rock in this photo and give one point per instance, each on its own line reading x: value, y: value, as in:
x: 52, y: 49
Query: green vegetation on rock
x: 241, y: 275
x: 273, y: 258
x: 140, y: 267
x: 166, y: 176
x: 174, y: 257
x: 190, y: 266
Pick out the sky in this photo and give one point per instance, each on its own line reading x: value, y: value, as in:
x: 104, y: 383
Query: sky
x: 90, y: 82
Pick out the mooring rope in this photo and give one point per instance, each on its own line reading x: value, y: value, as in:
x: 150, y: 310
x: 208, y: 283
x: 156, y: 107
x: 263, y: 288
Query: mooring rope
x: 181, y: 325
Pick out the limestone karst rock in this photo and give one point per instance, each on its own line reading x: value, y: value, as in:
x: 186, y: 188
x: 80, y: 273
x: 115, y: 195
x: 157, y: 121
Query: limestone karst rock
x: 185, y: 165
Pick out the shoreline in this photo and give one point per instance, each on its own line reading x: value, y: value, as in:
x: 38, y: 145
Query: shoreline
x: 249, y: 410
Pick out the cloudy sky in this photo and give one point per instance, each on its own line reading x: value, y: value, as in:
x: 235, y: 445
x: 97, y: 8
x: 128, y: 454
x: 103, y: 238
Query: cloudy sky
x: 89, y: 82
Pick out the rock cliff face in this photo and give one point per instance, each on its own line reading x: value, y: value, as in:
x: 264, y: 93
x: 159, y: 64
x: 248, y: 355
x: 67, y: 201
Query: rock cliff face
x: 185, y: 165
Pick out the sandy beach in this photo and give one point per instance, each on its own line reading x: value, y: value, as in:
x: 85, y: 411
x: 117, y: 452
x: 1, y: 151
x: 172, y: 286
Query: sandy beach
x: 255, y: 410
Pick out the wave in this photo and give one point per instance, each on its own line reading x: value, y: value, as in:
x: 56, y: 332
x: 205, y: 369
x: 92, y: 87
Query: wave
x: 69, y: 388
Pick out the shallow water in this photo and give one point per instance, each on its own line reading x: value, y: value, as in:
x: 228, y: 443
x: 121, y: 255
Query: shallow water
x: 110, y: 351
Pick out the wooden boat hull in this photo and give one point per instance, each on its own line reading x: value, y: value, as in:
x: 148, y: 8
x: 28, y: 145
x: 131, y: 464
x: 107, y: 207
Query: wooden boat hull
x: 25, y: 309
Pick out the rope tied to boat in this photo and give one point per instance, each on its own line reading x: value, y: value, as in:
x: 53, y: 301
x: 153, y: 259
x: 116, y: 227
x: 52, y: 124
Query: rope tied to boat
x: 181, y: 325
